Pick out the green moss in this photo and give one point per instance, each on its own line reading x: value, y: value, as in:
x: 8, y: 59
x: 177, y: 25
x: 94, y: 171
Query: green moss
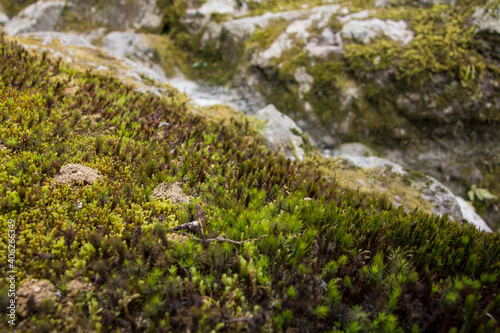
x: 72, y: 21
x: 306, y: 231
x: 261, y: 39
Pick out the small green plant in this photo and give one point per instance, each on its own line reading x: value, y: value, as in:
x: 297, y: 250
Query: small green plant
x: 480, y: 193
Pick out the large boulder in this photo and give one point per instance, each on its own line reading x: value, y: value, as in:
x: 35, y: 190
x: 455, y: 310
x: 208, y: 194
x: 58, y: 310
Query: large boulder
x: 40, y: 16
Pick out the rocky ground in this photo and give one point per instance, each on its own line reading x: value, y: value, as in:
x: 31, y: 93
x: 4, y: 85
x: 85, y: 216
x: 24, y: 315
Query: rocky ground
x: 342, y: 72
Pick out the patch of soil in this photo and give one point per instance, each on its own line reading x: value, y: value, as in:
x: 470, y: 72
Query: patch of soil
x: 77, y: 173
x: 170, y: 191
x: 75, y: 287
x: 32, y: 293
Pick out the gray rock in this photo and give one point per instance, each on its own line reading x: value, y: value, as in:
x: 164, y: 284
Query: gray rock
x: 280, y: 44
x: 365, y: 30
x: 148, y: 15
x: 356, y: 16
x: 371, y: 162
x: 136, y: 54
x: 126, y: 45
x: 127, y: 69
x: 117, y: 15
x: 471, y: 216
x: 295, y: 31
x: 279, y: 133
x: 352, y: 149
x: 218, y: 6
x: 40, y: 16
x: 241, y: 28
x: 304, y: 80
x: 3, y: 18
x: 445, y: 202
x: 433, y: 191
x: 211, y: 32
x: 327, y: 43
x: 66, y: 39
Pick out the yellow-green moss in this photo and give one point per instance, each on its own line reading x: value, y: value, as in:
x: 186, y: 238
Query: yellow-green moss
x: 380, y: 181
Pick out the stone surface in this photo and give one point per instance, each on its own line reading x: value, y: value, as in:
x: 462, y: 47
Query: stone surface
x: 280, y: 44
x: 440, y: 197
x: 304, y: 80
x: 40, y: 16
x: 3, y: 17
x: 126, y: 45
x: 241, y: 28
x: 218, y: 6
x: 471, y: 216
x: 212, y: 31
x: 148, y: 15
x: 135, y: 53
x: 328, y: 42
x: 352, y: 149
x: 279, y: 135
x: 487, y: 20
x: 66, y: 39
x: 374, y: 162
x: 365, y: 30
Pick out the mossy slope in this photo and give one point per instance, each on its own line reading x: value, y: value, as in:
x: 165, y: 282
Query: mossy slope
x: 333, y: 259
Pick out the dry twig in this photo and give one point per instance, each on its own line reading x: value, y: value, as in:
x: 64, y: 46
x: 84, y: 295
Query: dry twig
x: 217, y: 239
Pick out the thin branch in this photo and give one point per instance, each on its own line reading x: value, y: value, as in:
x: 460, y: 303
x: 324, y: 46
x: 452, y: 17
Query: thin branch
x: 218, y: 239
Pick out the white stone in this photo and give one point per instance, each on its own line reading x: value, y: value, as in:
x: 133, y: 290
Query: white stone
x: 149, y: 15
x: 66, y: 39
x: 326, y: 44
x: 304, y: 79
x: 279, y: 45
x: 3, y: 18
x: 299, y: 27
x: 471, y: 216
x: 125, y: 44
x: 352, y: 149
x: 487, y: 21
x: 372, y: 162
x: 278, y: 133
x: 218, y: 6
x: 241, y: 28
x: 355, y: 16
x: 40, y: 16
x: 212, y: 31
x: 368, y: 29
